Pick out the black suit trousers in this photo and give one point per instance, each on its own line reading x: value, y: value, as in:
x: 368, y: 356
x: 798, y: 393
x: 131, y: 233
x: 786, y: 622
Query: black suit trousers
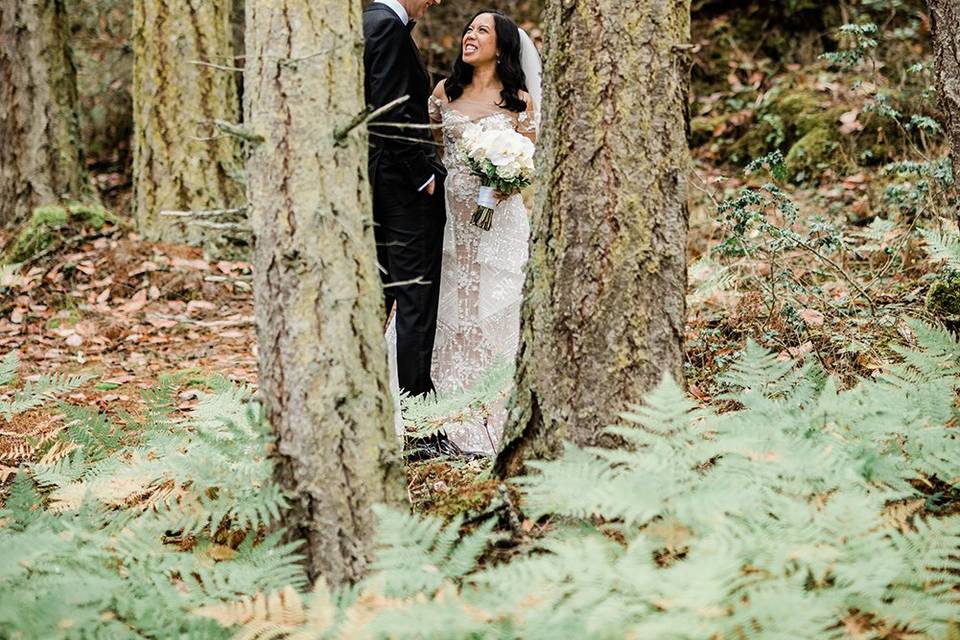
x: 409, y: 233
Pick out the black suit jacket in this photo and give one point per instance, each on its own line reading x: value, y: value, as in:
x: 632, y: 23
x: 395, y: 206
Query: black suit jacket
x: 393, y: 68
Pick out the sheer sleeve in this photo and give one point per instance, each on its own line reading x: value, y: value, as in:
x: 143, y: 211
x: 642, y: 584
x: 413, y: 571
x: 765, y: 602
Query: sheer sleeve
x: 435, y: 107
x: 527, y: 121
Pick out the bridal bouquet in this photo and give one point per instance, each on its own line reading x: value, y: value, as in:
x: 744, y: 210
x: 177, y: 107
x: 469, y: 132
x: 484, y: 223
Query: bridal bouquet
x: 502, y: 159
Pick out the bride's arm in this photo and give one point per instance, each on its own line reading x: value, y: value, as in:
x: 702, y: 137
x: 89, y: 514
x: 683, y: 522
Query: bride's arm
x: 526, y: 121
x: 436, y: 116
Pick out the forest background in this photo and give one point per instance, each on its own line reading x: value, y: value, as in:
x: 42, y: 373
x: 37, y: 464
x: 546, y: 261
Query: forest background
x: 818, y: 201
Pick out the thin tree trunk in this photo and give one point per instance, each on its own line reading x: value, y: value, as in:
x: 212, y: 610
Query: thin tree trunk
x: 946, y: 47
x: 603, y: 312
x: 323, y: 372
x: 180, y: 161
x: 41, y: 161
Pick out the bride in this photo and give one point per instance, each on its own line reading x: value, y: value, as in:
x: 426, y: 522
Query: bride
x: 496, y: 81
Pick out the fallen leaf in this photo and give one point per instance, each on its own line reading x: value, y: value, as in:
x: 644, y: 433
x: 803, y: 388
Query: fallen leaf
x: 136, y: 303
x: 812, y: 317
x: 849, y: 123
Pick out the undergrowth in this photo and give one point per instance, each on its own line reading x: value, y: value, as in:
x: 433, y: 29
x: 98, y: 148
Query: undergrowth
x: 133, y: 523
x: 807, y: 511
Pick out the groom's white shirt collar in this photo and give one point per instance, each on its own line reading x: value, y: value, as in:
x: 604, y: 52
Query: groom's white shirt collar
x: 397, y: 9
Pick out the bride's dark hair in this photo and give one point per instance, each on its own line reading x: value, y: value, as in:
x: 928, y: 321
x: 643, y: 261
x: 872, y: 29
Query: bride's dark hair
x: 509, y: 69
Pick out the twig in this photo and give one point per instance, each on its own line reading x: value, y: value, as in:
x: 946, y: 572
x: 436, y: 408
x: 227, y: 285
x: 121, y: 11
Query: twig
x: 292, y: 62
x: 340, y: 135
x: 210, y: 324
x: 405, y: 139
x: 212, y: 65
x: 233, y: 226
x: 237, y: 131
x: 843, y: 274
x: 404, y: 125
x: 890, y: 262
x: 403, y: 283
x: 201, y: 213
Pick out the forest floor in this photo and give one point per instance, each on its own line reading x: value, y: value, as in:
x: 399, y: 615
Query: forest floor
x: 126, y: 312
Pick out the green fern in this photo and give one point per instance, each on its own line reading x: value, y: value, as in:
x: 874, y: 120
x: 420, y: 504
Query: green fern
x: 34, y: 394
x: 84, y: 538
x: 943, y: 246
x: 9, y: 367
x: 768, y: 521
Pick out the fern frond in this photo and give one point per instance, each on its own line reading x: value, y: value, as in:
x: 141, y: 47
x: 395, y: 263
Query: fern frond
x: 9, y: 368
x: 943, y: 246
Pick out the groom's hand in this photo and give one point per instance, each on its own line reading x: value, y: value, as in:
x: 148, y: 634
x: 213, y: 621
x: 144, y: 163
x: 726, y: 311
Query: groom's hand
x: 430, y: 188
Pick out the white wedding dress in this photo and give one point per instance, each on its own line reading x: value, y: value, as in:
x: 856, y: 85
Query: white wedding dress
x: 482, y: 277
x: 481, y: 283
x: 483, y: 271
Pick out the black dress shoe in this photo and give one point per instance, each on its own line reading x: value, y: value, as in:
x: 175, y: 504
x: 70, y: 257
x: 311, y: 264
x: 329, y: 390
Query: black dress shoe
x: 436, y: 446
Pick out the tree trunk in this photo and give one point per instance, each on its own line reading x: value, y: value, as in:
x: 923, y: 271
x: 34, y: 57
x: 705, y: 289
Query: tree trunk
x: 41, y: 161
x: 603, y: 312
x: 946, y: 46
x: 180, y: 163
x: 323, y: 371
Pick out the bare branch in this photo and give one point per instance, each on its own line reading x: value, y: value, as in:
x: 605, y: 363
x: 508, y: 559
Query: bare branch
x: 203, y: 212
x: 239, y: 132
x: 220, y: 67
x: 340, y: 135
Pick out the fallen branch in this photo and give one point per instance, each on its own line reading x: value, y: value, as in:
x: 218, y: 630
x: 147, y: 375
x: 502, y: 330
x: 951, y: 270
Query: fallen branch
x: 208, y: 324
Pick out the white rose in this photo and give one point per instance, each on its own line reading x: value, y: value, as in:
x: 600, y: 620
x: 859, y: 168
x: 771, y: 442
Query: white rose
x: 509, y: 171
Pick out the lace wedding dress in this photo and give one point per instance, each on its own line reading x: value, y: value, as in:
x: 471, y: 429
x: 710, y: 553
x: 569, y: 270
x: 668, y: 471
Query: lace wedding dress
x: 482, y: 279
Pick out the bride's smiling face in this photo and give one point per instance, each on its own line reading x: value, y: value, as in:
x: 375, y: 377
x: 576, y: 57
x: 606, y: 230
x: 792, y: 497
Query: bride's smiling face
x: 480, y: 40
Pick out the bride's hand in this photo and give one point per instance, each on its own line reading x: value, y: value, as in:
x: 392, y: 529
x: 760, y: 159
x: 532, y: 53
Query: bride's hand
x: 501, y: 196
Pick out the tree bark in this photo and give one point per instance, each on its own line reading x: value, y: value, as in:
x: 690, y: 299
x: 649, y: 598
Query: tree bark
x: 41, y: 161
x: 603, y: 311
x: 180, y: 162
x: 946, y: 47
x: 323, y: 366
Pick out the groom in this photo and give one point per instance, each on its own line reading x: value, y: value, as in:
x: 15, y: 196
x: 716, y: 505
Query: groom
x: 408, y: 202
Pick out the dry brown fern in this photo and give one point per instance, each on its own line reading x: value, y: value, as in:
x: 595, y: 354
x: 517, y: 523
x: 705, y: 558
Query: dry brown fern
x: 899, y: 514
x: 263, y: 617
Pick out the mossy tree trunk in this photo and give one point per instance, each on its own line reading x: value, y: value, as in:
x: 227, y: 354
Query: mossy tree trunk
x: 41, y: 161
x: 323, y: 372
x: 946, y: 46
x: 603, y: 312
x: 180, y: 163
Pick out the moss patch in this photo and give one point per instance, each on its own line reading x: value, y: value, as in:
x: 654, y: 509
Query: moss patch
x: 54, y: 223
x: 804, y: 123
x: 943, y: 299
x: 815, y: 151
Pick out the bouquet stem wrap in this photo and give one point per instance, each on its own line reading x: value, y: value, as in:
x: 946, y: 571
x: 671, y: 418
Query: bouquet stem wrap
x: 486, y: 203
